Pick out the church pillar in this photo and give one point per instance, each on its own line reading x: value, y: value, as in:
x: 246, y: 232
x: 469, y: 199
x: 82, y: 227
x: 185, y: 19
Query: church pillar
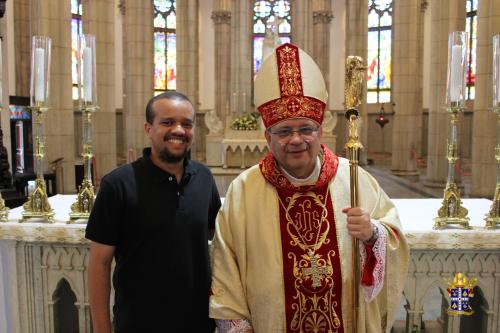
x: 222, y: 35
x: 187, y: 56
x: 6, y: 22
x: 414, y: 319
x: 484, y: 130
x: 98, y: 20
x: 407, y: 86
x: 357, y: 44
x: 24, y: 26
x: 53, y: 19
x: 241, y: 59
x: 138, y: 71
x: 322, y: 16
x: 216, y: 119
x: 302, y: 24
x: 447, y: 16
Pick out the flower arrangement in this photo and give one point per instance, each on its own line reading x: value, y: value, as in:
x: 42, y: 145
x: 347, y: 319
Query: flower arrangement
x: 245, y: 122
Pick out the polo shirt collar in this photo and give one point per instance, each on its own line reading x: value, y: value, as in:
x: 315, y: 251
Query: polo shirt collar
x: 158, y: 174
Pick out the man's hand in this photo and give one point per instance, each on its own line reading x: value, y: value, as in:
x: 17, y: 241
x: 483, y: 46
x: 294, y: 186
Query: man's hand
x: 359, y: 224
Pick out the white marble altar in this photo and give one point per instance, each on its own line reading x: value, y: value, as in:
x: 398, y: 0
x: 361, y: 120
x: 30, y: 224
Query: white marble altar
x: 35, y: 257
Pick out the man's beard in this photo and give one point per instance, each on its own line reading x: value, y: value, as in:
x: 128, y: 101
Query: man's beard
x: 167, y: 157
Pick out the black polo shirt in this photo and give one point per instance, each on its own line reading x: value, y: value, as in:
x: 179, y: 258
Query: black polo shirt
x: 160, y: 230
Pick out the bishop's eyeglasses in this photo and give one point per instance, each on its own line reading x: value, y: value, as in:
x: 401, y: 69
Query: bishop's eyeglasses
x: 287, y: 132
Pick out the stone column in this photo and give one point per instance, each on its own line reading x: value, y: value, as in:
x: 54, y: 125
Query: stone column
x: 322, y: 16
x: 302, y: 24
x: 7, y: 39
x: 484, y: 131
x: 138, y: 71
x: 407, y: 86
x: 447, y: 16
x: 241, y: 57
x: 356, y: 44
x: 98, y: 20
x: 187, y: 55
x: 216, y: 119
x: 24, y: 22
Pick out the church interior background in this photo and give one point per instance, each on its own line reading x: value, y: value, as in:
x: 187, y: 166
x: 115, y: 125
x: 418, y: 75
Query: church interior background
x: 210, y: 51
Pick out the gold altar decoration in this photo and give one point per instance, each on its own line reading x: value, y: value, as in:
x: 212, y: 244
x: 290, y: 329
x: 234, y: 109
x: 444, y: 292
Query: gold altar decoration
x: 451, y: 211
x: 81, y: 208
x: 38, y: 206
x: 493, y: 217
x: 353, y: 96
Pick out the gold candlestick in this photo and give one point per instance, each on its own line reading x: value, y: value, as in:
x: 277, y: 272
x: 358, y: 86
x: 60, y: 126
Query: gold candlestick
x: 493, y: 217
x: 353, y: 95
x: 451, y: 211
x: 38, y: 205
x: 80, y: 210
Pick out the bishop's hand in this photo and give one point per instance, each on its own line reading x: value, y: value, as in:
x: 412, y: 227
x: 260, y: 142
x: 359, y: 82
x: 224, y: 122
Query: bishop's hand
x: 359, y: 224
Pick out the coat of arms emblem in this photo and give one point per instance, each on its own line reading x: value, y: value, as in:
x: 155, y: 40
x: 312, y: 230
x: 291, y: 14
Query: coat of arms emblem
x: 460, y: 293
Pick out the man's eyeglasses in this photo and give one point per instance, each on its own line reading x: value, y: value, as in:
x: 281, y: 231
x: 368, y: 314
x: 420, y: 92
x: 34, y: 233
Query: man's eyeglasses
x: 287, y: 132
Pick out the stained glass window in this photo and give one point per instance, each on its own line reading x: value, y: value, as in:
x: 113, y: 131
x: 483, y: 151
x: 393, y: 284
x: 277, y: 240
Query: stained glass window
x: 269, y: 14
x: 471, y: 28
x: 379, y: 51
x: 76, y: 30
x: 164, y: 22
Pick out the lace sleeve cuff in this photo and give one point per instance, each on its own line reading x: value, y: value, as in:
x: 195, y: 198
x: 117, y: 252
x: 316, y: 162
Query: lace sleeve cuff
x: 373, y: 259
x: 233, y: 326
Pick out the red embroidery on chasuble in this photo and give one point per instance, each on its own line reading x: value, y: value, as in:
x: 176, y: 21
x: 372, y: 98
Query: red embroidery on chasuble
x: 311, y: 266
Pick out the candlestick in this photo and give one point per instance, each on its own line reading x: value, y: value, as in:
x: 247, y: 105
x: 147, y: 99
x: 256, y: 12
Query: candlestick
x: 38, y: 205
x: 493, y: 217
x: 452, y: 211
x: 80, y: 209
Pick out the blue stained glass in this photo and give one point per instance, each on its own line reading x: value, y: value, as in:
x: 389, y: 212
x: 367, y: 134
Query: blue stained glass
x: 285, y: 27
x: 383, y: 4
x: 162, y: 5
x: 171, y: 21
x: 258, y: 43
x: 171, y: 62
x: 372, y: 19
x: 386, y: 20
x: 379, y: 61
x: 164, y: 45
x: 160, y: 61
x: 259, y: 27
x: 262, y: 8
x: 159, y: 21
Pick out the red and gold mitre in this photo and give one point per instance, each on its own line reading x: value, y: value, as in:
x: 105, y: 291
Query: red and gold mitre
x: 290, y: 85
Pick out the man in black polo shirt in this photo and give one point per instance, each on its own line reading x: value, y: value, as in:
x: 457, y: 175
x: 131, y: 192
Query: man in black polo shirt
x: 155, y: 217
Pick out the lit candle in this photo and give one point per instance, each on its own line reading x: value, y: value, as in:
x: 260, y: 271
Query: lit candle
x: 39, y: 74
x: 87, y: 74
x: 456, y: 73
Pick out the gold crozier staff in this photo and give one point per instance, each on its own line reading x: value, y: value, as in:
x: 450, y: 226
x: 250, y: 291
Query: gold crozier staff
x: 353, y: 92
